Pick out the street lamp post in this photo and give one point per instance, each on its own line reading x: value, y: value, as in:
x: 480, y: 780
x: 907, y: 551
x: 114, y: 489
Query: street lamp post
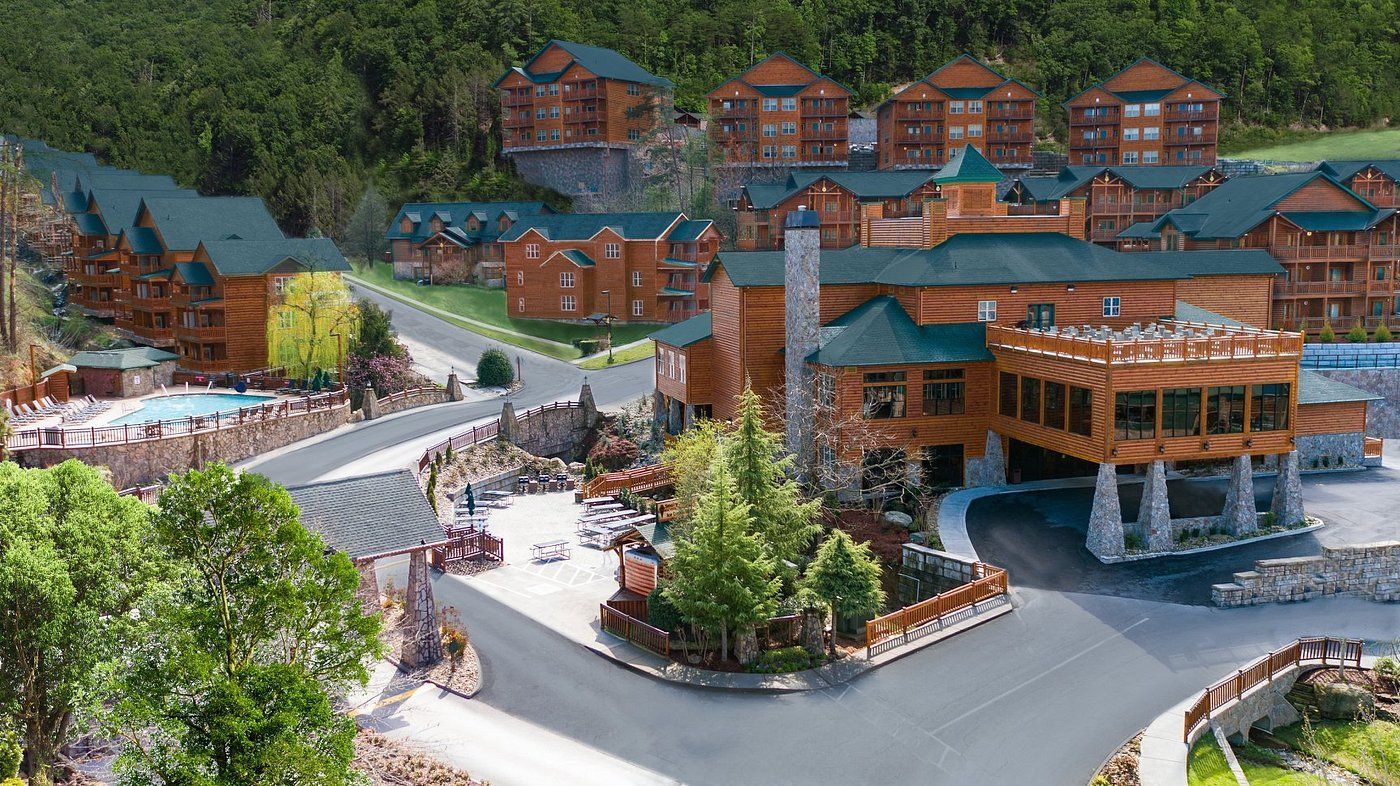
x: 339, y: 358
x: 608, y: 320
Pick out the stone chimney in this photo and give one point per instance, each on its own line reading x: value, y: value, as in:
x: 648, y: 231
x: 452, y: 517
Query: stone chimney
x: 801, y: 283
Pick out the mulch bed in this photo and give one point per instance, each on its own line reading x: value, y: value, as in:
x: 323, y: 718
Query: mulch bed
x: 886, y: 540
x: 391, y: 763
x: 463, y: 677
x: 1122, y: 768
x: 472, y: 567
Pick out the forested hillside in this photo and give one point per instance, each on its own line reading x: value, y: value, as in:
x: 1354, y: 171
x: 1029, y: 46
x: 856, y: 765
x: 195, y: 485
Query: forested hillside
x: 304, y: 101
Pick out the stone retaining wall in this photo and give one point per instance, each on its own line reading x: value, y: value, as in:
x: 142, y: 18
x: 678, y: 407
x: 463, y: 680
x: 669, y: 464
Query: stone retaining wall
x: 925, y: 572
x: 142, y: 463
x: 1382, y: 417
x: 1369, y: 570
x: 552, y: 432
x: 421, y: 398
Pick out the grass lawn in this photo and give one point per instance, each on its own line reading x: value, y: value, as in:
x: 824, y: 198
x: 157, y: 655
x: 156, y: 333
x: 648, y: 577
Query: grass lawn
x: 488, y: 306
x: 1316, y: 146
x: 1207, y: 767
x: 1371, y: 750
x: 640, y: 352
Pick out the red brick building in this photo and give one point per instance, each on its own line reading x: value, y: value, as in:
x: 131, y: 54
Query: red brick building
x: 780, y: 113
x: 1144, y: 114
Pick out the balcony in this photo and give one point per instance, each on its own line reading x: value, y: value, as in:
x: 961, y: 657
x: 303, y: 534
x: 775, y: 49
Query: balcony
x: 824, y: 133
x: 1380, y: 253
x: 513, y: 99
x: 1349, y: 252
x: 1186, y: 140
x: 1321, y: 288
x: 200, y: 333
x: 1012, y: 159
x: 1342, y: 322
x: 1080, y: 119
x: 160, y: 303
x: 1017, y: 113
x: 1173, y: 342
x: 916, y: 112
x: 581, y: 117
x: 581, y: 94
x: 1010, y: 136
x: 96, y: 279
x: 1095, y: 142
x: 903, y: 137
x: 809, y: 110
x: 514, y: 120
x: 160, y: 336
x: 735, y: 112
x: 1379, y: 287
x: 1129, y: 208
x: 1186, y: 116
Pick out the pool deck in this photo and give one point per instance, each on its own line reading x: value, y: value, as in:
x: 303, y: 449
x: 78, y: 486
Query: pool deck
x: 121, y: 407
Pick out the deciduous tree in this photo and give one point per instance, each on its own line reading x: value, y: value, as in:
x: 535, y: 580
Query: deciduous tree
x: 313, y: 305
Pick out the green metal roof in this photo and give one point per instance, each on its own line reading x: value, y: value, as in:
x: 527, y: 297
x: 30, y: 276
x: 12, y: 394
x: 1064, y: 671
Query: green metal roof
x: 969, y: 166
x: 689, y: 231
x: 119, y: 206
x: 673, y: 292
x: 879, y: 333
x: 256, y: 257
x: 1189, y: 313
x: 683, y: 334
x: 779, y: 91
x: 962, y: 93
x: 194, y: 273
x: 183, y: 223
x: 89, y: 224
x: 658, y: 535
x: 455, y: 215
x: 965, y: 260
x: 600, y: 61
x: 156, y: 274
x: 1071, y: 178
x: 122, y: 359
x: 1315, y: 388
x: 1142, y: 230
x: 1103, y: 84
x: 582, y: 226
x: 1346, y: 170
x: 577, y: 257
x: 1142, y: 95
x: 864, y: 185
x: 1240, y: 204
x: 142, y: 240
x: 86, y: 181
x: 1336, y: 220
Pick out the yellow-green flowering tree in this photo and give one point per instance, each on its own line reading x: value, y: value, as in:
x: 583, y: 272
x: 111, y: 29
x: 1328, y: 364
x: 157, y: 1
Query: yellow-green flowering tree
x: 303, y: 323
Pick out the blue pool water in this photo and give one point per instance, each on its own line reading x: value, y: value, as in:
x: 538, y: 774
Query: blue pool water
x: 179, y: 406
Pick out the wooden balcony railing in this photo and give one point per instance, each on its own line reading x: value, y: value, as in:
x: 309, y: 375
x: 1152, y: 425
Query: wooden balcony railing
x: 824, y: 111
x: 1373, y: 448
x: 1305, y: 288
x: 1018, y: 113
x: 1094, y: 142
x: 1232, y: 344
x: 1179, y: 140
x: 1349, y: 251
x: 200, y: 333
x: 1080, y: 119
x: 634, y: 630
x: 989, y: 581
x: 824, y: 133
x: 1188, y: 115
x: 1010, y: 136
x: 903, y: 137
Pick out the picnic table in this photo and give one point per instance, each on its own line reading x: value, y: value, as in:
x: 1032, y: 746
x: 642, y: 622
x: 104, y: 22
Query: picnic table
x: 599, y: 518
x: 550, y: 549
x: 502, y: 497
x: 596, y: 501
x: 604, y: 506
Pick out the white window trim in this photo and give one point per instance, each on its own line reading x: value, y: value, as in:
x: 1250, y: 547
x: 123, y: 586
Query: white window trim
x: 636, y: 278
x: 986, y: 311
x: 566, y: 279
x: 532, y: 250
x: 637, y: 308
x: 1112, y: 306
x: 568, y: 303
x: 612, y: 251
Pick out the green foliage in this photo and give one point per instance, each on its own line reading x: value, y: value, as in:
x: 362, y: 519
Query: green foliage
x: 313, y: 306
x: 1382, y: 334
x: 661, y: 612
x: 690, y: 455
x: 494, y: 369
x: 233, y: 683
x: 847, y: 575
x: 433, y: 481
x: 1133, y: 542
x: 721, y: 576
x: 1357, y: 334
x: 759, y: 464
x: 784, y: 660
x: 374, y: 335
x: 10, y: 754
x: 73, y: 564
x: 364, y: 231
x: 1327, y: 335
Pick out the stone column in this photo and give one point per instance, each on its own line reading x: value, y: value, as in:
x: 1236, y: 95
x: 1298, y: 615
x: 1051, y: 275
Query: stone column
x: 369, y: 405
x: 509, y: 430
x: 454, y: 388
x: 689, y: 419
x: 1239, y: 517
x: 673, y: 417
x: 746, y: 645
x: 1154, y: 514
x: 659, y: 408
x: 422, y: 643
x: 990, y: 469
x: 1287, y: 505
x: 587, y: 407
x: 368, y: 591
x: 1105, y: 538
x: 802, y: 310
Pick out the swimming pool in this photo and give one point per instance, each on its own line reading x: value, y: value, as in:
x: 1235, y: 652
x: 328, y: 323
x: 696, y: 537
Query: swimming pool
x: 183, y: 405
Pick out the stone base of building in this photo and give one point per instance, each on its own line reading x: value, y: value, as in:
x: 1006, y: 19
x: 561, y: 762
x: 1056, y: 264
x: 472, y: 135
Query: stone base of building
x: 597, y: 178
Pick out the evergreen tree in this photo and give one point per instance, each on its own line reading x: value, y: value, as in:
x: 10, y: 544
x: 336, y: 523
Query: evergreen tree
x: 494, y: 369
x: 1357, y: 334
x: 722, y: 577
x: 375, y: 336
x: 1327, y: 335
x: 690, y: 455
x: 364, y: 232
x: 759, y: 464
x: 847, y: 576
x: 1381, y: 336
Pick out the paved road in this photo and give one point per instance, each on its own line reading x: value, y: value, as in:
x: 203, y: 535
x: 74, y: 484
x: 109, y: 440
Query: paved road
x: 546, y: 380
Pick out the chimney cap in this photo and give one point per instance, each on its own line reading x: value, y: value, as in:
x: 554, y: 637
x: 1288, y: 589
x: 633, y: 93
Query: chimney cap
x: 802, y: 218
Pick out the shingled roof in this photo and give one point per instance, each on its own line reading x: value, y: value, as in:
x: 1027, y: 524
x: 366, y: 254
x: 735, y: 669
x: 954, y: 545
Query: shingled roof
x: 683, y: 334
x: 1346, y: 170
x: 1240, y: 204
x: 456, y: 215
x: 864, y: 185
x: 183, y: 223
x: 969, y: 166
x: 1071, y: 178
x: 583, y: 226
x: 1314, y: 388
x: 119, y: 206
x: 368, y: 516
x: 122, y: 359
x: 257, y: 257
x: 880, y: 333
x: 598, y: 60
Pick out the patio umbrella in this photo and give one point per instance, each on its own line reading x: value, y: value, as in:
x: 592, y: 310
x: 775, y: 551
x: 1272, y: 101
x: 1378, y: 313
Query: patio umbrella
x: 471, y: 501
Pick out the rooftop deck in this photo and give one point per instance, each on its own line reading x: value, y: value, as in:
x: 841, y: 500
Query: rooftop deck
x: 1159, y: 342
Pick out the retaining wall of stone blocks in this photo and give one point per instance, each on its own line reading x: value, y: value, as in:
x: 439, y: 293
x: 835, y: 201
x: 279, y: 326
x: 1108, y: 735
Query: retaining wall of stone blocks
x: 925, y: 572
x: 1368, y: 570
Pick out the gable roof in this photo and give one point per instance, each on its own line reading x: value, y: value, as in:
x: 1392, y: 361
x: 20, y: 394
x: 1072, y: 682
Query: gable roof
x: 1071, y: 178
x: 1240, y: 204
x: 122, y: 359
x: 969, y: 166
x: 978, y: 259
x: 183, y: 223
x: 783, y: 90
x: 658, y: 536
x: 582, y: 226
x: 86, y: 181
x: 141, y: 240
x: 889, y: 184
x: 1346, y: 170
x: 371, y: 515
x: 194, y: 273
x: 1315, y: 388
x: 1186, y: 312
x: 257, y: 257
x: 575, y: 256
x: 880, y: 333
x: 120, y: 206
x: 601, y: 61
x: 455, y: 215
x: 1138, y: 95
x: 684, y: 333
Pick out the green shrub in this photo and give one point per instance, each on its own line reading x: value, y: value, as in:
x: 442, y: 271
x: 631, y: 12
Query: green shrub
x: 1389, y: 671
x: 1133, y: 542
x: 1357, y: 334
x: 1382, y: 334
x: 784, y: 660
x: 1328, y: 335
x: 494, y: 369
x: 10, y: 755
x: 1270, y: 519
x: 661, y: 612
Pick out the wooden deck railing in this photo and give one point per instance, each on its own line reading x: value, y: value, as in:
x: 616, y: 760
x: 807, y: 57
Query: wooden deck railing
x: 638, y: 480
x: 99, y: 436
x: 990, y: 582
x: 467, y: 546
x: 1373, y: 447
x: 1217, y: 696
x: 634, y: 630
x: 1234, y: 343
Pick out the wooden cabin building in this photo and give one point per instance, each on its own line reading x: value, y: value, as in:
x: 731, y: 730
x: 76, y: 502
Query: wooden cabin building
x: 780, y: 113
x: 1377, y: 182
x: 224, y: 295
x: 571, y: 95
x: 1338, y: 250
x: 454, y: 242
x: 964, y: 102
x: 836, y: 197
x: 634, y: 267
x: 1116, y: 198
x: 1145, y: 114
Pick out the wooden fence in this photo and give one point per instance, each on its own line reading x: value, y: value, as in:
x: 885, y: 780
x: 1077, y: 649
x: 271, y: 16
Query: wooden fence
x: 484, y: 433
x: 988, y: 582
x: 55, y: 385
x: 637, y: 480
x: 1311, y: 650
x: 99, y: 436
x: 635, y: 631
x: 469, y: 545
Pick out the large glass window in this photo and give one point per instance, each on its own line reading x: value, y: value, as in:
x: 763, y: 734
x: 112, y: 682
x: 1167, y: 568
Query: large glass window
x: 944, y: 392
x: 883, y: 401
x: 1225, y: 410
x: 1055, y: 405
x: 1081, y: 411
x: 1181, y: 412
x: 1135, y: 415
x: 1030, y: 399
x: 1007, y: 395
x: 943, y: 465
x: 1268, y: 407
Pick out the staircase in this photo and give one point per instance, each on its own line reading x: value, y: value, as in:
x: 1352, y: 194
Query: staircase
x: 902, y: 232
x: 1303, y: 697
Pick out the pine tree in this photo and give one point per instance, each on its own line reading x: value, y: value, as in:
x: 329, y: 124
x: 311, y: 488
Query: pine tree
x: 1357, y: 334
x: 1327, y: 335
x: 1382, y: 334
x: 759, y: 464
x: 721, y: 576
x: 847, y: 575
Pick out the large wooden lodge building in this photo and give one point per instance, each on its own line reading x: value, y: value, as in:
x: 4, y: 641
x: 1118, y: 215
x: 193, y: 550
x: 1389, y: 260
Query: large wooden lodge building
x: 780, y: 113
x: 454, y: 242
x: 1145, y: 114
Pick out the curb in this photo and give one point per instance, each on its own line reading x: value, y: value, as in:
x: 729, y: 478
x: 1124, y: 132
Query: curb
x: 1213, y: 547
x: 480, y: 676
x: 444, y: 313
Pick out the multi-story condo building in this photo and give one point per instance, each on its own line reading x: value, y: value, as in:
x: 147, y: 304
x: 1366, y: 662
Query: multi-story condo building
x: 634, y: 267
x: 572, y: 95
x: 1116, y: 197
x: 1338, y: 250
x: 1378, y: 182
x: 963, y: 102
x: 222, y: 297
x: 1144, y: 114
x: 835, y: 197
x: 167, y: 231
x: 780, y: 113
x: 1003, y: 354
x: 454, y: 242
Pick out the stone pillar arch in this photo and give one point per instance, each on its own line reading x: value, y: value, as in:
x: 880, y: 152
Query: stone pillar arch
x: 1105, y: 539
